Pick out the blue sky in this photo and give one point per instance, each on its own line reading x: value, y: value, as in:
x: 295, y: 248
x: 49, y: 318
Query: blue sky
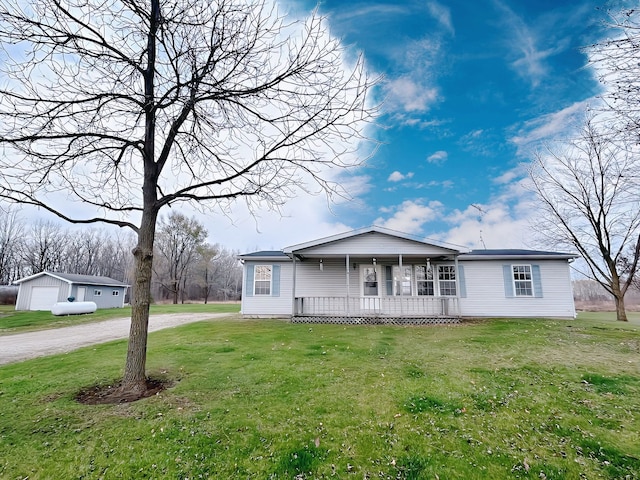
x: 470, y: 90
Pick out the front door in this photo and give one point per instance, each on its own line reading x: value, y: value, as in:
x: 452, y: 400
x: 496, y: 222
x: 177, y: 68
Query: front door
x: 81, y: 292
x: 370, y: 288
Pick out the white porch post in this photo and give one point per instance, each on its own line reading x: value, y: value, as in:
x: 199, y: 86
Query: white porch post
x: 455, y: 262
x: 401, y: 284
x: 348, y: 270
x: 293, y: 289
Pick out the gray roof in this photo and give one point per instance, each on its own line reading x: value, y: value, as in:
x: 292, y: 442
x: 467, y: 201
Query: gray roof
x: 514, y: 253
x: 263, y: 254
x: 90, y: 279
x: 78, y: 279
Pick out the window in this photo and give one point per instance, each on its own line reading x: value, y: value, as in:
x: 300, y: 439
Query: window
x: 97, y: 293
x: 262, y: 280
x: 424, y: 280
x: 447, y: 280
x: 402, y: 282
x: 115, y: 293
x: 369, y: 281
x: 522, y: 281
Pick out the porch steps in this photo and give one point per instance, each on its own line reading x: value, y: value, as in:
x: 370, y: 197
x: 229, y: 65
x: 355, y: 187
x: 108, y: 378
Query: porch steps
x: 441, y: 320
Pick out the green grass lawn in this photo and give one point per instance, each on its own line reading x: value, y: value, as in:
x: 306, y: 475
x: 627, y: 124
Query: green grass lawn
x: 269, y: 399
x: 14, y: 322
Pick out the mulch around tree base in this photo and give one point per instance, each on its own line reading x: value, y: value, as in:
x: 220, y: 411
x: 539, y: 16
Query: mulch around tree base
x: 114, y: 394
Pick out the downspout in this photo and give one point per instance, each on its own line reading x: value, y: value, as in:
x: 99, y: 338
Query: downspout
x: 348, y: 270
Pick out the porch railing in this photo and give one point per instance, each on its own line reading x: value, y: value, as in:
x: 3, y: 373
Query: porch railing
x: 377, y: 306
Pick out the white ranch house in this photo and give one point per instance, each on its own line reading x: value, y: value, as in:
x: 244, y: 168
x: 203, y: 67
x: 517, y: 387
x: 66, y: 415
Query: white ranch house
x: 374, y: 275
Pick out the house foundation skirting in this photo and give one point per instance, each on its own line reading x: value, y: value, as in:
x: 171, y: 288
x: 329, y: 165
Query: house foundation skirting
x: 341, y: 320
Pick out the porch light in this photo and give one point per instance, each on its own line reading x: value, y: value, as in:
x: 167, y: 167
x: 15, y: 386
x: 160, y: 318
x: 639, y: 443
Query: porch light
x: 321, y: 265
x: 374, y: 262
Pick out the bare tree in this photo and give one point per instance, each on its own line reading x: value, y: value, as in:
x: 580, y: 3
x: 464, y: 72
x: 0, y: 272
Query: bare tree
x: 115, y: 259
x: 207, y: 253
x: 616, y: 62
x: 83, y: 251
x: 178, y: 240
x: 11, y: 240
x: 45, y: 247
x: 228, y: 275
x: 590, y: 201
x: 129, y: 106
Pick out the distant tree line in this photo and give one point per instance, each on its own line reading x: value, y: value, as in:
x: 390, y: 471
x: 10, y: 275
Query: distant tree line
x: 187, y: 267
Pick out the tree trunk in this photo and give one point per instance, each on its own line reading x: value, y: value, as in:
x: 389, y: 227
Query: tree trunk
x: 134, y: 379
x: 618, y: 293
x: 621, y: 313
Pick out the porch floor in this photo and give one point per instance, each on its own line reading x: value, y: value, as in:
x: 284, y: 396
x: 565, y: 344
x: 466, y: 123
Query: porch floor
x: 376, y: 320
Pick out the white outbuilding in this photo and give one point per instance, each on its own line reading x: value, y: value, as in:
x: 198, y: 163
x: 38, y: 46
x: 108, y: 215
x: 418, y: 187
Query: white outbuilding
x: 42, y: 290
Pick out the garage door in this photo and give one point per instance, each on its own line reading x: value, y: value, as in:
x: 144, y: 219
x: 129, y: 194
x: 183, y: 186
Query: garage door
x: 43, y: 298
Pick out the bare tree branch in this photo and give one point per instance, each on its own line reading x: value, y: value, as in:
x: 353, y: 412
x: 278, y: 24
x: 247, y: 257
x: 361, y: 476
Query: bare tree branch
x: 127, y: 106
x: 588, y: 190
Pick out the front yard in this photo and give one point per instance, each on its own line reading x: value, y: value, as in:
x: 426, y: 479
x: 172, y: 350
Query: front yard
x: 269, y: 399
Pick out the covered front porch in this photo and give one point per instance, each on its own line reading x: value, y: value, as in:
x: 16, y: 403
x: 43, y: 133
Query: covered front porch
x: 396, y: 289
x: 382, y: 310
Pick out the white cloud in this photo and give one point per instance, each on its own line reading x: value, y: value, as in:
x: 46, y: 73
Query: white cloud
x: 410, y: 95
x: 524, y: 42
x: 508, y: 177
x: 442, y: 14
x: 413, y: 89
x: 547, y: 127
x: 382, y: 11
x: 416, y: 122
x: 438, y: 157
x: 502, y: 222
x: 410, y: 216
x: 397, y: 176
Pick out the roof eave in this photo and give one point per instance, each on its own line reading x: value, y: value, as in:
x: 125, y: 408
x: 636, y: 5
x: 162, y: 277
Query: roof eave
x: 40, y: 274
x: 560, y: 256
x: 263, y: 258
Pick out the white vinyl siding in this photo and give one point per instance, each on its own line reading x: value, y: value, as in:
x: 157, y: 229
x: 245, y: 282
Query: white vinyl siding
x: 487, y: 290
x: 330, y: 281
x: 279, y: 303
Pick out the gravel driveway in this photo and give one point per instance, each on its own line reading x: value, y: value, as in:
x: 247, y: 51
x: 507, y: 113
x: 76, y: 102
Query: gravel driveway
x: 22, y: 346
